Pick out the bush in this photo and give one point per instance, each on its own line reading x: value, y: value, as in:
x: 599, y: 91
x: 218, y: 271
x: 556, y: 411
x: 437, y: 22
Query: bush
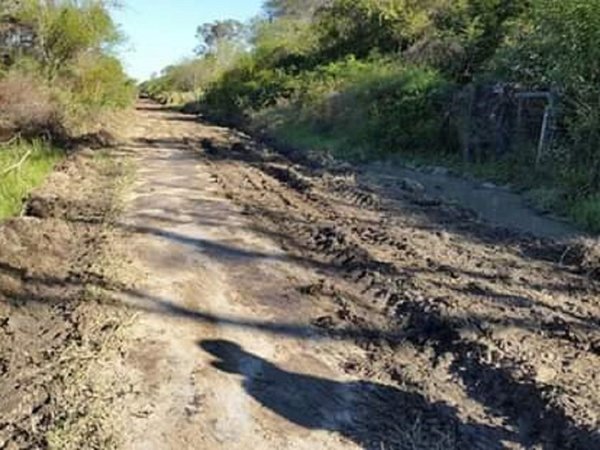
x: 59, y: 72
x: 586, y: 213
x: 26, y: 105
x: 558, y: 48
x: 95, y: 83
x: 406, y: 110
x: 245, y: 89
x: 379, y: 106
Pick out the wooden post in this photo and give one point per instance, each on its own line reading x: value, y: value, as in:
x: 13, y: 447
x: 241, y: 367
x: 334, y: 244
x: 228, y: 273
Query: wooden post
x: 543, y: 136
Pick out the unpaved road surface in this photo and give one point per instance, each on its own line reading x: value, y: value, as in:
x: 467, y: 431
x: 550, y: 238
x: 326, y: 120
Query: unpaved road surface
x: 495, y: 204
x: 277, y: 302
x: 285, y: 306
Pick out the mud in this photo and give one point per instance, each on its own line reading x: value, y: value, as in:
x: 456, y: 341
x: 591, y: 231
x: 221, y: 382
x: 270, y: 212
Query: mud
x: 388, y: 319
x: 496, y: 205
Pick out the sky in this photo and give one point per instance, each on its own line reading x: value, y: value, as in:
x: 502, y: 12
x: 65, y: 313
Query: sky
x: 162, y: 32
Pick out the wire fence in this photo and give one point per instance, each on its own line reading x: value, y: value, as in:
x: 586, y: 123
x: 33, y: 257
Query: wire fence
x: 494, y: 120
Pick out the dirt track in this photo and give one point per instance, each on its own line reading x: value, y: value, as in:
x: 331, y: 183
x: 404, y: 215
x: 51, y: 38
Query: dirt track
x: 280, y: 303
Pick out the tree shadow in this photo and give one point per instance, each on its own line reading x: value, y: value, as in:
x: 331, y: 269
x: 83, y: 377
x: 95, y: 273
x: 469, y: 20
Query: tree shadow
x: 526, y: 405
x: 372, y: 415
x: 494, y: 386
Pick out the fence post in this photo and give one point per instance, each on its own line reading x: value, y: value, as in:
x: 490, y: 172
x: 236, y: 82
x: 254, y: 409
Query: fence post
x: 468, y: 128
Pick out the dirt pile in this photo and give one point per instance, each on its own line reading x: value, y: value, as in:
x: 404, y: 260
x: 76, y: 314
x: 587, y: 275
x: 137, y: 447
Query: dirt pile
x: 52, y: 324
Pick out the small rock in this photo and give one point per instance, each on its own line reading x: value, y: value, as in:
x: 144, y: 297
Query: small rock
x: 86, y: 151
x: 545, y: 374
x: 489, y: 186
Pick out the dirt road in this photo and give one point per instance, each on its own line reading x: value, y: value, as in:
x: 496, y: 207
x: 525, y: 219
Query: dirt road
x: 280, y: 303
x: 285, y: 306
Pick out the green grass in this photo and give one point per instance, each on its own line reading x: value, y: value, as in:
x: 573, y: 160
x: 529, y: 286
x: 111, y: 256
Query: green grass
x: 15, y: 185
x: 586, y: 213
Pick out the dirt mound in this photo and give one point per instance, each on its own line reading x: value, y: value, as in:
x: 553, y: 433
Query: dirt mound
x: 51, y: 326
x: 100, y: 139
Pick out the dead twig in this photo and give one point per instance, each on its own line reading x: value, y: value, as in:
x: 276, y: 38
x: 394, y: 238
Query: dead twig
x: 17, y: 165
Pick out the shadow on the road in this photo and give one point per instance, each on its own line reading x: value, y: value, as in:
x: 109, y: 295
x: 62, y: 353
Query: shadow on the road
x: 495, y: 387
x: 373, y: 415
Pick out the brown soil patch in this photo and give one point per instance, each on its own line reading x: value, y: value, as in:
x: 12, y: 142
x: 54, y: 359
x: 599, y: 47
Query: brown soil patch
x: 285, y: 303
x: 494, y: 323
x: 52, y: 327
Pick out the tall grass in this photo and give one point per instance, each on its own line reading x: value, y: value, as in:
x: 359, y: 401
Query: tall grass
x: 16, y: 184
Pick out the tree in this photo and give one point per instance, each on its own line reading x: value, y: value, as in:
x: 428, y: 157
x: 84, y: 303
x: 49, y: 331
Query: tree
x: 293, y: 8
x: 61, y: 30
x: 211, y: 34
x: 359, y: 27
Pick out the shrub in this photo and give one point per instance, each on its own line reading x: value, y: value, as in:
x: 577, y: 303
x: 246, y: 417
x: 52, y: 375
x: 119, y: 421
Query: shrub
x: 406, y: 110
x: 59, y: 61
x: 558, y: 48
x: 586, y: 212
x: 378, y: 105
x: 95, y: 83
x: 26, y: 105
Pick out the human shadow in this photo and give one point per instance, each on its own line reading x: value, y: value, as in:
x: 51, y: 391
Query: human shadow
x: 373, y: 415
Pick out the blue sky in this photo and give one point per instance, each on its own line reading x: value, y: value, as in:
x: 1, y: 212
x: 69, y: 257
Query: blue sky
x: 161, y: 32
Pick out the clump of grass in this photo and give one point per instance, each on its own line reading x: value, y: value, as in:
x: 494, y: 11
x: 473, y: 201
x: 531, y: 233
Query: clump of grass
x: 586, y: 212
x: 38, y: 159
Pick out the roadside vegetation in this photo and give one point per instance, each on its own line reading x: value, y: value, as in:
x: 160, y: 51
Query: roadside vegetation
x: 25, y: 165
x: 58, y: 77
x: 368, y: 79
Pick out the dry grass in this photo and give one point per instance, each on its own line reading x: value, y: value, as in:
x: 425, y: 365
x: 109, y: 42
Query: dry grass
x: 26, y: 106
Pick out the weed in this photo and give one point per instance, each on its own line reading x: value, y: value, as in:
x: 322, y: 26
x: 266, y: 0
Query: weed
x: 31, y: 163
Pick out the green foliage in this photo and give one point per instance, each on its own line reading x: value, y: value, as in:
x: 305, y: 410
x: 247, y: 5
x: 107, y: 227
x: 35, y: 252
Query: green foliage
x: 95, y: 83
x: 284, y: 42
x: 558, y: 47
x: 378, y: 106
x: 366, y: 78
x: 65, y: 29
x: 66, y: 47
x: 293, y: 8
x: 359, y: 27
x: 14, y: 186
x: 406, y: 111
x: 244, y: 89
x: 586, y: 212
x: 220, y: 51
x: 213, y: 34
